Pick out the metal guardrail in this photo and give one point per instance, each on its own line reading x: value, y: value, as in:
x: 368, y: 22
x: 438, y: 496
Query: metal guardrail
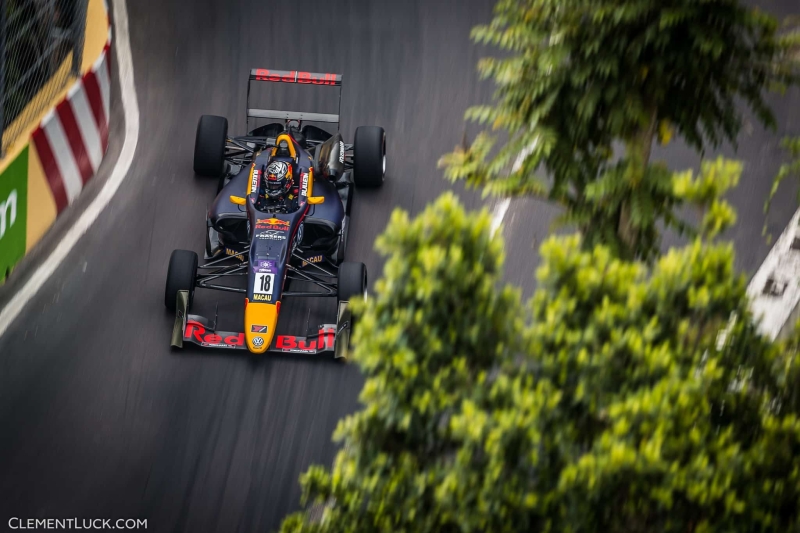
x: 41, y: 49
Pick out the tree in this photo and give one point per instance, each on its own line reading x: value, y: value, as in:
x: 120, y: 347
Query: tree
x: 583, y: 75
x: 623, y: 398
x: 434, y: 329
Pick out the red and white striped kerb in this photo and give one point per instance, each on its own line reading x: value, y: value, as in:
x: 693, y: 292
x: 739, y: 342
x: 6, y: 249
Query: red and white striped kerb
x: 73, y: 137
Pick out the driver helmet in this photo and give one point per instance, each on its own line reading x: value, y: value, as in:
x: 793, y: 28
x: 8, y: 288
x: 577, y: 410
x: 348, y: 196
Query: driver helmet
x: 278, y: 177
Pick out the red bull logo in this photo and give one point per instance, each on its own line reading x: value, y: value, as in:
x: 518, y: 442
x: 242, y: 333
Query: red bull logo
x: 197, y: 333
x: 273, y: 223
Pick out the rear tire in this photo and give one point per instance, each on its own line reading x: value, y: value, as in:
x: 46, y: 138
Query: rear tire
x: 181, y: 276
x: 352, y: 281
x: 369, y: 156
x: 209, y: 146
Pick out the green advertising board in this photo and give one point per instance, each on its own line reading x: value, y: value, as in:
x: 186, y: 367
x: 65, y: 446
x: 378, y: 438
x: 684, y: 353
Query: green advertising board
x: 13, y: 213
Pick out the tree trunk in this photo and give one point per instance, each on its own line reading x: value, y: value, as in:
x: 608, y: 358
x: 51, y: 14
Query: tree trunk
x: 638, y: 152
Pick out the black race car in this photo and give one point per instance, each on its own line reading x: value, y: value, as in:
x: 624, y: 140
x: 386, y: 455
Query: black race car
x: 274, y: 243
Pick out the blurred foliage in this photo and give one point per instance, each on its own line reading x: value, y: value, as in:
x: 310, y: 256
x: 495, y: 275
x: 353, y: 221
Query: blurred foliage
x: 622, y: 398
x: 580, y: 76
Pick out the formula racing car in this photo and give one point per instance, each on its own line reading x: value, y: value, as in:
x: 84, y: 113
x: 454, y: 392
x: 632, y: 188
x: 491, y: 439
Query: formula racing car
x: 280, y: 218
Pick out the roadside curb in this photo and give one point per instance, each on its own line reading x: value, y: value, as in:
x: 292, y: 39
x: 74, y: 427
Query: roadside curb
x: 72, y: 138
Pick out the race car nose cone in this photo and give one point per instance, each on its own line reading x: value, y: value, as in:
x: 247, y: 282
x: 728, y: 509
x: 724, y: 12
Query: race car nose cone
x: 259, y: 325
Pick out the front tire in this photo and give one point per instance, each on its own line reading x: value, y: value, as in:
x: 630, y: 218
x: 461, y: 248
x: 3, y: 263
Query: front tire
x: 209, y: 146
x: 369, y: 156
x: 352, y: 281
x: 181, y: 276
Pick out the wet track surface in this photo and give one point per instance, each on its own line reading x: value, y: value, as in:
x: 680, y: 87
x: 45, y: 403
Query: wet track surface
x: 99, y: 418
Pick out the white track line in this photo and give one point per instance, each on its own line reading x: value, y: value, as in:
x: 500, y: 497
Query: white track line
x: 88, y: 217
x: 498, y: 213
x: 501, y: 208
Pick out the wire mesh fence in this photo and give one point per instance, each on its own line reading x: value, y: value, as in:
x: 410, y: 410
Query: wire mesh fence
x: 41, y: 48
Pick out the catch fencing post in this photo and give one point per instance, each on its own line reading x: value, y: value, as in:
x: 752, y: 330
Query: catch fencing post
x: 2, y: 75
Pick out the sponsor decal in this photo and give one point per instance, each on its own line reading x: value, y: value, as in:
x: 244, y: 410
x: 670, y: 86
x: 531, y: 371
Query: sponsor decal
x: 272, y: 235
x: 279, y: 228
x: 273, y: 223
x: 264, y: 266
x: 254, y: 181
x: 295, y: 76
x: 267, y: 226
x: 304, y: 185
x: 341, y: 151
x: 324, y: 340
x: 313, y: 259
x: 263, y: 283
x: 234, y: 253
x: 14, y: 212
x: 8, y: 212
x: 262, y: 297
x: 258, y: 329
x: 197, y: 333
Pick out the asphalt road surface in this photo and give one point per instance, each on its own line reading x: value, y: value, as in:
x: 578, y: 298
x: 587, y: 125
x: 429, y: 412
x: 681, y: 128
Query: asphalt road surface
x: 99, y: 418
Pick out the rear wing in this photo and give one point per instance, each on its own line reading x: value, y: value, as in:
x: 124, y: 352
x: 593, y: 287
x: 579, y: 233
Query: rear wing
x: 294, y: 76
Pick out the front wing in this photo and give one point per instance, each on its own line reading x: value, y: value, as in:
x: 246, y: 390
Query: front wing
x: 331, y: 338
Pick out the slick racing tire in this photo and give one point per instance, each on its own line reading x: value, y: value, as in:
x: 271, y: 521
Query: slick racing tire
x: 352, y: 281
x: 209, y: 146
x: 181, y: 276
x: 369, y: 156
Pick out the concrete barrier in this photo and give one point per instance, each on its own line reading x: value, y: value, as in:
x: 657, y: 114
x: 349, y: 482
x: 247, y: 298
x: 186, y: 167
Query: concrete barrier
x: 60, y: 151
